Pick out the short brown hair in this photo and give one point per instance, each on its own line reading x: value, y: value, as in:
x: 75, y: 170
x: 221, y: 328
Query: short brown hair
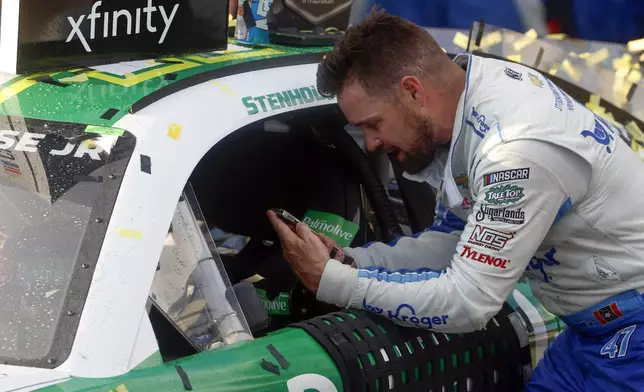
x: 378, y: 52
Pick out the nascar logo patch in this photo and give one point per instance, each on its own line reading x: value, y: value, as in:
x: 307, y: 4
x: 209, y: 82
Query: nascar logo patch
x: 506, y: 175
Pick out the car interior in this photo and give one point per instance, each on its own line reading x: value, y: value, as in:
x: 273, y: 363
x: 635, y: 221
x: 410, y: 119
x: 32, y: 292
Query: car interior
x: 298, y: 161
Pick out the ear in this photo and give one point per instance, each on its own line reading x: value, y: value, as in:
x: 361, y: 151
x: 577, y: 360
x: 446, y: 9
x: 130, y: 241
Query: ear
x: 413, y: 89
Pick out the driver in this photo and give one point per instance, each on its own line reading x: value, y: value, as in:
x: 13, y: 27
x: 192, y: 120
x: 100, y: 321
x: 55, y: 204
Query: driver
x: 529, y: 183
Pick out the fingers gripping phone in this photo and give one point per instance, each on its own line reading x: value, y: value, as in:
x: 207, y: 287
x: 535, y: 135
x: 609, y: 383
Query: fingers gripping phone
x: 291, y: 220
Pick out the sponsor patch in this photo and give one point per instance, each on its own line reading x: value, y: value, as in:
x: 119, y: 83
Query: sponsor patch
x: 540, y: 264
x: 555, y: 93
x: 407, y: 314
x: 11, y: 168
x: 600, y: 134
x: 474, y: 255
x: 535, y: 80
x: 478, y: 123
x: 513, y: 74
x: 331, y: 225
x: 608, y: 313
x: 278, y: 306
x: 97, y: 19
x: 504, y: 194
x: 489, y: 238
x: 506, y: 175
x: 501, y: 214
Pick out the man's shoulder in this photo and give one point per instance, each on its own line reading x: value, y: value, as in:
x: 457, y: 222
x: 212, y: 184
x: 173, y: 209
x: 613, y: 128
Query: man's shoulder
x: 514, y: 101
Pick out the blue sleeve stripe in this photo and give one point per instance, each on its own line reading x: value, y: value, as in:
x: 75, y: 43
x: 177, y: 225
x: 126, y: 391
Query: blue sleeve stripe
x: 441, y: 228
x: 563, y: 210
x: 400, y: 276
x: 448, y: 219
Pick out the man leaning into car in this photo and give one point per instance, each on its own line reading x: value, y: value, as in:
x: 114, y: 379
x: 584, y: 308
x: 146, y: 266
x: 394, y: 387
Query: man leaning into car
x: 552, y: 193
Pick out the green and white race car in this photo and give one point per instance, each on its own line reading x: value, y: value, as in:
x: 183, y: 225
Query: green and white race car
x: 135, y: 254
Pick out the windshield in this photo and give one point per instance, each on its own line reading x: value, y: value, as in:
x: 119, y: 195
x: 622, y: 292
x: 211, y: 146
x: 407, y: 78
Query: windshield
x: 191, y: 287
x: 58, y: 184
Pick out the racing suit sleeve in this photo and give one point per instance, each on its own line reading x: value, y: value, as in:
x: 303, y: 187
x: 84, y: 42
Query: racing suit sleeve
x: 491, y: 255
x: 431, y: 248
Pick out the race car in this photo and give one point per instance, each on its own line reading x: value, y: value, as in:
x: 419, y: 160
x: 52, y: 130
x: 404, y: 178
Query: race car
x: 135, y: 253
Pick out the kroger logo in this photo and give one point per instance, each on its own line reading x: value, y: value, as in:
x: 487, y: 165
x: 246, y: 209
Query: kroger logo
x: 406, y: 313
x: 478, y: 122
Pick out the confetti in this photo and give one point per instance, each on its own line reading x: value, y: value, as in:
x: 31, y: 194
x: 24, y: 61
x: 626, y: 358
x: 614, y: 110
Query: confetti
x: 514, y: 57
x: 634, y: 76
x: 622, y: 62
x: 460, y: 40
x: 636, y: 45
x: 597, y: 57
x: 104, y: 130
x: 224, y: 87
x: 89, y: 144
x: 556, y: 37
x: 50, y: 293
x: 529, y: 37
x: 595, y: 100
x: 594, y: 104
x: 620, y: 86
x: 129, y: 233
x: 174, y: 131
x: 491, y: 39
x: 254, y: 279
x: 553, y: 70
x: 635, y: 131
x: 571, y: 70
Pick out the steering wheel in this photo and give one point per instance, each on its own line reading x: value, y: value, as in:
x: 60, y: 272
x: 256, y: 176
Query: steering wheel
x: 303, y: 302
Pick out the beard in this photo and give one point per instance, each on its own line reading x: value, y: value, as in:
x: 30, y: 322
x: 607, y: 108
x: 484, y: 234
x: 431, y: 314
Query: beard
x: 421, y: 154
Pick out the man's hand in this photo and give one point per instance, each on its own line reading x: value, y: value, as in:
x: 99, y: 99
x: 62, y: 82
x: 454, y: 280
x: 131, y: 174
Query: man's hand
x: 330, y: 244
x: 304, y: 250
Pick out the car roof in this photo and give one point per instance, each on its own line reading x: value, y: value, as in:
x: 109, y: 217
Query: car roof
x: 104, y: 94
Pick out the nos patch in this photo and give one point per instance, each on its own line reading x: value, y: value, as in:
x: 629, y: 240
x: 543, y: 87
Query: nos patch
x: 513, y: 74
x: 506, y: 175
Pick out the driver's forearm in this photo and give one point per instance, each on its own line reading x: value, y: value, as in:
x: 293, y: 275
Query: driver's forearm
x: 432, y: 249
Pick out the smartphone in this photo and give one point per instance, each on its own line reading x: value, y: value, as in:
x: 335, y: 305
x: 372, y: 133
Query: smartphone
x: 292, y: 221
x: 286, y: 216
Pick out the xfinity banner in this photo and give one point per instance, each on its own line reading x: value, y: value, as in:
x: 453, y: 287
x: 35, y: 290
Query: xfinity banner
x: 37, y: 35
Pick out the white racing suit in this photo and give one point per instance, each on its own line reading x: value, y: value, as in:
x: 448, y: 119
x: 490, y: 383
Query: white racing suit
x: 534, y: 184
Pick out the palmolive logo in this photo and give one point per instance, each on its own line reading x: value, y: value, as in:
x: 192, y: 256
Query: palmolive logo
x: 474, y: 255
x: 94, y: 15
